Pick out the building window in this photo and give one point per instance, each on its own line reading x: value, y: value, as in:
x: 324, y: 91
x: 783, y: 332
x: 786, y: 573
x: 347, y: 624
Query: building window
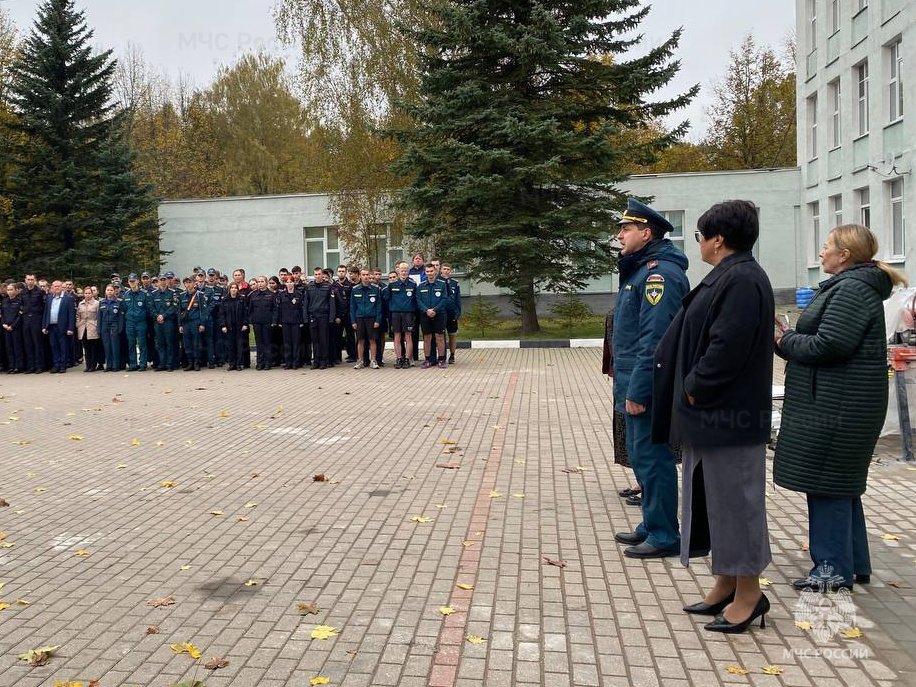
x: 895, y: 82
x: 395, y: 247
x: 898, y: 222
x: 322, y: 248
x: 676, y: 217
x: 860, y: 76
x: 834, y: 16
x: 812, y: 127
x: 812, y: 25
x: 864, y: 199
x: 833, y: 89
x: 836, y: 210
x: 814, y: 211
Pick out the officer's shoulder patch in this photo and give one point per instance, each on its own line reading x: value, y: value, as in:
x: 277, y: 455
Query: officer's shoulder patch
x: 655, y: 278
x: 655, y: 288
x: 652, y: 264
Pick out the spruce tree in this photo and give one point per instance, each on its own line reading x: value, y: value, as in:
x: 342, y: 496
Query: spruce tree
x: 530, y: 112
x: 75, y: 205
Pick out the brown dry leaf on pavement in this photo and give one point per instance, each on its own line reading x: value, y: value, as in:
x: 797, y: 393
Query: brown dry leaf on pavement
x: 556, y: 562
x: 152, y: 630
x: 216, y: 662
x: 308, y: 608
x: 448, y: 466
x: 897, y: 585
x: 159, y: 603
x: 39, y: 656
x: 319, y: 478
x: 3, y: 503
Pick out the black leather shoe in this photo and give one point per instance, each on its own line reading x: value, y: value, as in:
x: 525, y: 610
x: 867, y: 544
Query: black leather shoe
x: 720, y: 624
x: 863, y: 579
x: 703, y: 608
x: 814, y: 584
x: 646, y: 550
x: 629, y: 491
x: 634, y: 500
x: 631, y: 538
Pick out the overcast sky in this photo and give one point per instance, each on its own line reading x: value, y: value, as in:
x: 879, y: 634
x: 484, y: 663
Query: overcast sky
x: 194, y: 37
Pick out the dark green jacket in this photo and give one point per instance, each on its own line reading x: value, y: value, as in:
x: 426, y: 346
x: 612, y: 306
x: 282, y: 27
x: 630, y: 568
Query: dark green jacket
x: 836, y: 386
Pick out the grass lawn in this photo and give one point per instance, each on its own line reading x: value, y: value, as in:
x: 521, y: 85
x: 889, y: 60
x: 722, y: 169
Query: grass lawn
x: 511, y: 328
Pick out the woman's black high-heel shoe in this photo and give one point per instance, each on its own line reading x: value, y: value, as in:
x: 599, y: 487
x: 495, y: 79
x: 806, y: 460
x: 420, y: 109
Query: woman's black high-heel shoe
x: 720, y: 624
x: 703, y: 608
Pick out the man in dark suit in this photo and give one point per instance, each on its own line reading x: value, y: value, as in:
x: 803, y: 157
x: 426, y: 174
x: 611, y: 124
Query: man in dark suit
x: 59, y: 324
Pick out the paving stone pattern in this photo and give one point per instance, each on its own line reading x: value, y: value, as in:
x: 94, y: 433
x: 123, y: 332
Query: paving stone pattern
x: 349, y: 544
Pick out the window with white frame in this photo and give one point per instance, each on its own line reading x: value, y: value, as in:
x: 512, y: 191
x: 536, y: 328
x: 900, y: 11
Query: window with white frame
x: 812, y: 25
x: 814, y: 212
x: 860, y: 77
x: 898, y: 221
x: 833, y: 88
x: 812, y: 126
x: 322, y: 248
x: 834, y: 16
x: 836, y: 210
x: 895, y: 81
x: 676, y: 217
x: 863, y: 198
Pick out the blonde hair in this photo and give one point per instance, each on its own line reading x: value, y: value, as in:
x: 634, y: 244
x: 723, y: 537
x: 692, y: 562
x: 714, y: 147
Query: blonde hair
x: 862, y: 245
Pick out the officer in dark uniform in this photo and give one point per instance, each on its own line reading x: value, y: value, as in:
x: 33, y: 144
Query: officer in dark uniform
x: 150, y: 285
x: 216, y: 348
x: 111, y: 328
x: 33, y: 309
x: 192, y: 323
x: 653, y: 281
x: 165, y: 325
x: 321, y: 306
x: 342, y: 333
x: 137, y: 312
x: 290, y: 316
x: 262, y: 306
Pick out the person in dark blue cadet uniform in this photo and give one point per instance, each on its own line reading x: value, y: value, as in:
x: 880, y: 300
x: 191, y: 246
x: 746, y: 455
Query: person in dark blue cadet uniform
x: 290, y: 315
x: 401, y: 299
x: 111, y: 328
x: 451, y: 324
x: 652, y: 284
x: 192, y: 323
x: 433, y: 306
x: 321, y: 304
x: 165, y: 325
x: 136, y: 314
x: 215, y: 341
x: 366, y: 316
x: 233, y: 321
x: 261, y: 308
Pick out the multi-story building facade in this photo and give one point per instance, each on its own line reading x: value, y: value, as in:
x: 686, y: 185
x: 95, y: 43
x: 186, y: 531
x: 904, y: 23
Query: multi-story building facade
x: 857, y: 125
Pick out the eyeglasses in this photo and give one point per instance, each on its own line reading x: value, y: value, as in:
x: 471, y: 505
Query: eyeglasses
x: 697, y: 235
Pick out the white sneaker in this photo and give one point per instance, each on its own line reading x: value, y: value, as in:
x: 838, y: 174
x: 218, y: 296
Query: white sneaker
x: 358, y: 366
x: 373, y: 365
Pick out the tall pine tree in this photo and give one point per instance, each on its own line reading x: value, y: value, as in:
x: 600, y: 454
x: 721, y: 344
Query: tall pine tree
x: 523, y: 131
x: 77, y: 210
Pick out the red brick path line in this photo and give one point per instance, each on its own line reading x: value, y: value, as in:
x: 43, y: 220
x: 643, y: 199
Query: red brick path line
x: 451, y: 636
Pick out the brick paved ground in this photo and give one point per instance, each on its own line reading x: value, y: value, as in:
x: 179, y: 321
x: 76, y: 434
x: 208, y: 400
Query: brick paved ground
x: 227, y: 440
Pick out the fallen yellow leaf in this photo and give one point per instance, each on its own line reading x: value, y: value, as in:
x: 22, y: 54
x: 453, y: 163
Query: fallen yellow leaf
x: 6, y: 545
x: 4, y: 605
x: 446, y: 610
x: 224, y: 413
x: 242, y: 519
x: 121, y: 466
x: 803, y: 625
x: 324, y: 632
x: 464, y: 585
x: 764, y: 582
x: 889, y: 537
x: 75, y: 437
x: 252, y: 583
x: 772, y: 670
x: 135, y: 442
x: 475, y: 639
x: 736, y: 670
x: 852, y: 633
x: 39, y: 490
x: 186, y: 648
x: 82, y: 553
x: 23, y: 602
x: 22, y: 443
x: 518, y: 495
x: 39, y: 656
x: 167, y: 484
x: 160, y: 444
x: 519, y: 461
x: 250, y: 504
x: 320, y: 680
x: 448, y: 442
x: 185, y: 567
x: 68, y: 683
x: 440, y: 506
x: 421, y: 518
x: 468, y: 542
x: 216, y: 512
x: 495, y: 494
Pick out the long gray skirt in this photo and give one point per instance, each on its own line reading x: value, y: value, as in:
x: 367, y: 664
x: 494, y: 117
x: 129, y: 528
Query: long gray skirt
x: 723, y: 508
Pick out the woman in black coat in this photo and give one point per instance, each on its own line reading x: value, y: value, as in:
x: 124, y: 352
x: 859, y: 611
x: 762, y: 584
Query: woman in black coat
x: 233, y: 314
x: 836, y: 401
x: 713, y: 391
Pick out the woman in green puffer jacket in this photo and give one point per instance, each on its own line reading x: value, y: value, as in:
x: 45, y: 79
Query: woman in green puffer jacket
x: 835, y: 405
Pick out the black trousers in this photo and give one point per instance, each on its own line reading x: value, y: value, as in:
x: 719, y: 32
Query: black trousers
x: 262, y: 334
x: 238, y: 351
x: 14, y: 353
x: 321, y: 334
x: 291, y: 337
x: 33, y: 342
x: 92, y: 352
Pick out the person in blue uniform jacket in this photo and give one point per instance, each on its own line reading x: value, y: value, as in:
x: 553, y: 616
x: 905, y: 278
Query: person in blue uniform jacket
x: 193, y: 317
x: 111, y: 328
x: 137, y: 311
x: 652, y: 284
